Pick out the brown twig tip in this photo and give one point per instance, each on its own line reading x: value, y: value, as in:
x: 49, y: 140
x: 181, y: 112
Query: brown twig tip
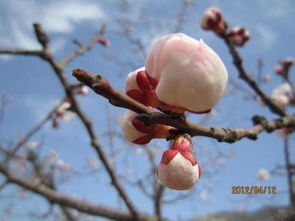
x: 82, y: 76
x: 42, y: 37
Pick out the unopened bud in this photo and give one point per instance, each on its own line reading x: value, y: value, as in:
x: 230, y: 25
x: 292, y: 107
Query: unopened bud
x: 136, y: 132
x: 212, y: 20
x: 179, y: 169
x: 239, y: 36
x: 105, y: 42
x: 190, y: 75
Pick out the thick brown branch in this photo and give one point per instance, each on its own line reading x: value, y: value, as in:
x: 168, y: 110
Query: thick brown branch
x: 102, y: 87
x: 59, y: 70
x: 21, y: 52
x: 68, y: 201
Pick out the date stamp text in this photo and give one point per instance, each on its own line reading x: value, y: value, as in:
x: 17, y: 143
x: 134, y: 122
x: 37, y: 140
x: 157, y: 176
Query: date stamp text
x: 254, y: 190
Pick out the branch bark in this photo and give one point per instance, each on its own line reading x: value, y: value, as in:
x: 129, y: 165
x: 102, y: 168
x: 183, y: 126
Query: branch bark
x: 68, y: 201
x: 101, y: 86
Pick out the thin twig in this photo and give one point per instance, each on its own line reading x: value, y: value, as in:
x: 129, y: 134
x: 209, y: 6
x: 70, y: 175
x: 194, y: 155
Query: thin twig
x: 238, y: 62
x: 84, y: 48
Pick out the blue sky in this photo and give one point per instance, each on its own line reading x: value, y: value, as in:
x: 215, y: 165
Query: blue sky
x: 33, y: 89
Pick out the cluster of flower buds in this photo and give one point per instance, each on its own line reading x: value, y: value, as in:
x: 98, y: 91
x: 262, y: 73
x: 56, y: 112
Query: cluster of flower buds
x: 239, y: 36
x: 136, y: 132
x: 284, y: 66
x: 282, y: 95
x: 212, y: 21
x: 180, y: 74
x: 179, y: 169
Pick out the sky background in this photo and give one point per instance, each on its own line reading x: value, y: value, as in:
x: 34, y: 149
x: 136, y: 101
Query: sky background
x: 33, y: 90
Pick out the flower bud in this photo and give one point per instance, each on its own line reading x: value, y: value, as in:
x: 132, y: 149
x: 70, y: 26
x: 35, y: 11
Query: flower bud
x: 141, y: 88
x: 136, y: 132
x: 179, y: 169
x: 212, y: 20
x: 283, y: 67
x: 105, y: 42
x: 282, y: 95
x: 190, y: 75
x: 239, y: 36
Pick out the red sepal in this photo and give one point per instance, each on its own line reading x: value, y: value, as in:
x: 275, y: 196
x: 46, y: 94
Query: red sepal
x: 142, y: 128
x: 136, y: 95
x: 143, y: 139
x: 168, y: 155
x: 143, y: 81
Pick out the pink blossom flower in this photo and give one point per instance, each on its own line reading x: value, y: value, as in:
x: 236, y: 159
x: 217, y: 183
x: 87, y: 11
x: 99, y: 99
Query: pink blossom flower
x: 136, y: 132
x: 179, y: 169
x: 141, y: 88
x: 212, y: 20
x: 63, y: 112
x: 282, y: 95
x: 263, y: 174
x: 190, y: 75
x: 239, y: 36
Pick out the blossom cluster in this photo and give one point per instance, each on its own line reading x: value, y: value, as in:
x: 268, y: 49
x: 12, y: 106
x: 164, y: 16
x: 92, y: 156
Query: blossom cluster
x: 212, y: 20
x: 180, y: 74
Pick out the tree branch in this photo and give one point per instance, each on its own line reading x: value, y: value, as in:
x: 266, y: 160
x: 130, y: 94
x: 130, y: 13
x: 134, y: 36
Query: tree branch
x: 68, y: 201
x: 238, y: 63
x: 84, y: 48
x: 102, y: 87
x: 59, y: 70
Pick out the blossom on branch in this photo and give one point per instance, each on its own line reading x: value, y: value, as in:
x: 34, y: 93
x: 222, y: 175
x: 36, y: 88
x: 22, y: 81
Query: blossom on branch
x: 239, y: 36
x: 136, y: 132
x: 179, y: 169
x: 191, y: 76
x: 282, y: 95
x: 212, y: 20
x: 284, y: 66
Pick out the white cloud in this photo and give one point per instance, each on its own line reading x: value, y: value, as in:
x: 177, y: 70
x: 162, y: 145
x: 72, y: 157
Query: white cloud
x: 266, y: 34
x: 55, y: 16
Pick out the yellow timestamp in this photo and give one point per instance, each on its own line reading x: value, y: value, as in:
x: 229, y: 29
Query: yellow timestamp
x: 254, y: 190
